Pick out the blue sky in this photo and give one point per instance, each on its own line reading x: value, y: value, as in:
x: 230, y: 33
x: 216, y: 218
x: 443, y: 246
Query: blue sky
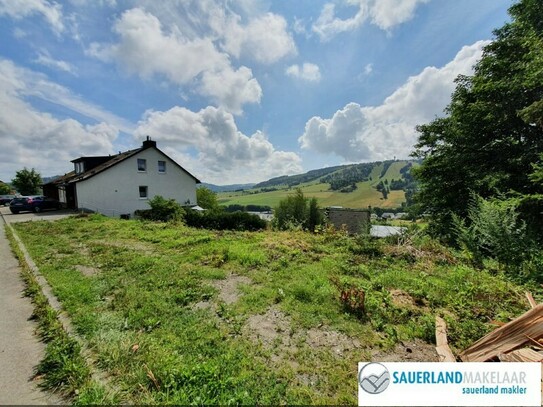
x: 235, y: 91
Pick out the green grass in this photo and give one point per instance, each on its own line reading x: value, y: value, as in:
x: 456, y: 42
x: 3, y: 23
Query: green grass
x: 152, y: 309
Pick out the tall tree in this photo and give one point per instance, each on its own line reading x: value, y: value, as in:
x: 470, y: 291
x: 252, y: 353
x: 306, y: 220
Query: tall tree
x: 27, y: 182
x: 5, y: 189
x: 492, y: 133
x: 207, y: 199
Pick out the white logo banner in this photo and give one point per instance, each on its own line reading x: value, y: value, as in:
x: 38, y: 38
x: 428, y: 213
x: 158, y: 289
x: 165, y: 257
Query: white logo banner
x: 449, y: 384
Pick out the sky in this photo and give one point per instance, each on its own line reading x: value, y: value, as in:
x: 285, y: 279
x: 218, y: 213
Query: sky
x: 235, y: 91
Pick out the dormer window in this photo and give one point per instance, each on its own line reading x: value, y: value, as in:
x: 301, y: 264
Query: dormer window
x: 142, y: 165
x: 79, y: 168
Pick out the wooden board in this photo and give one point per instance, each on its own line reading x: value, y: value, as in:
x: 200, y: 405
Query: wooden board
x: 531, y: 300
x: 511, y: 336
x: 522, y: 355
x: 444, y: 352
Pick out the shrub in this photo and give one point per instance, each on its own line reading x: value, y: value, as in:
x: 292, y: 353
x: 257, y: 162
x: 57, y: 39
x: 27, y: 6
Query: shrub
x: 162, y: 209
x: 224, y: 220
x: 493, y: 229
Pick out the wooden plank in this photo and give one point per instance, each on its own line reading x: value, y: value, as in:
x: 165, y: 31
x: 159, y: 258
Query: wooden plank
x: 522, y: 355
x: 531, y: 300
x: 511, y: 336
x: 443, y: 351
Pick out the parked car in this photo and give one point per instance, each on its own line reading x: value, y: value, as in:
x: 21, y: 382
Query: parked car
x: 6, y: 199
x: 36, y: 203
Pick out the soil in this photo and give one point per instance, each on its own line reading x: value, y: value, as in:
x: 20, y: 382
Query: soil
x: 412, y: 351
x: 87, y: 271
x: 228, y: 288
x: 228, y: 291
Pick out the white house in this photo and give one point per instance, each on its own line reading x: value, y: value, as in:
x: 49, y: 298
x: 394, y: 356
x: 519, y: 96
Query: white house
x: 123, y: 183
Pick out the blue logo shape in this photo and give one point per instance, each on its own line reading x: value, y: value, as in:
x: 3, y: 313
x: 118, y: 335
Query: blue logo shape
x: 374, y: 378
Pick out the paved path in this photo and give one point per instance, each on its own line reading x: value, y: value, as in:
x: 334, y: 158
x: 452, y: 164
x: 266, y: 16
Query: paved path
x: 20, y: 349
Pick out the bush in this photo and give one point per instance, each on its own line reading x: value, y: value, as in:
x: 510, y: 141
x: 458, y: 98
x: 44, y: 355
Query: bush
x: 297, y: 212
x: 163, y: 210
x: 224, y: 220
x: 493, y: 229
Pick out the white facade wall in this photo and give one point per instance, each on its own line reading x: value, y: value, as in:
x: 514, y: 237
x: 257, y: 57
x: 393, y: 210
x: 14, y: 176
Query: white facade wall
x: 115, y: 191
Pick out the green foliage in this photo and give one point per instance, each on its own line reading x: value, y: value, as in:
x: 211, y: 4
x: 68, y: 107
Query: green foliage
x: 5, y: 189
x: 494, y: 230
x: 490, y: 138
x: 163, y: 210
x: 27, y: 182
x: 297, y: 212
x: 224, y: 220
x: 248, y: 208
x: 207, y: 199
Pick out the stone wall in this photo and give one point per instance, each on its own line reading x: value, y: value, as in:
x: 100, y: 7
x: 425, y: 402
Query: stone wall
x: 355, y: 221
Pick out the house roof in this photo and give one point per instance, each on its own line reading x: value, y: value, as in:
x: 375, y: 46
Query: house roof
x: 72, y: 177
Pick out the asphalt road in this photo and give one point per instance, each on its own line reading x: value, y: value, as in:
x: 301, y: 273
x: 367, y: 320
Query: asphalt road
x: 20, y: 348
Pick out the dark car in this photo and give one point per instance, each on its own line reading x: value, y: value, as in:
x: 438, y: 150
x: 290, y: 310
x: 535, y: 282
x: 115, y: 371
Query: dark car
x: 6, y: 199
x: 36, y: 204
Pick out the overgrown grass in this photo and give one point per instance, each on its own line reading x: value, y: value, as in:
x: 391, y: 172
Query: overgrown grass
x: 149, y: 299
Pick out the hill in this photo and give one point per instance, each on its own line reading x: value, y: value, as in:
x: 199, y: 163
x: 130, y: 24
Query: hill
x: 226, y: 188
x: 382, y: 184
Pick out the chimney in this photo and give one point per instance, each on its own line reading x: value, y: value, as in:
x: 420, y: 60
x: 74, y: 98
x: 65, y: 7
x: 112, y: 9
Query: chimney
x: 148, y: 143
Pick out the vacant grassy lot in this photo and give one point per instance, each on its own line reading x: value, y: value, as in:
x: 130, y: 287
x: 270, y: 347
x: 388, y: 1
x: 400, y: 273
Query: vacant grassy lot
x: 179, y: 315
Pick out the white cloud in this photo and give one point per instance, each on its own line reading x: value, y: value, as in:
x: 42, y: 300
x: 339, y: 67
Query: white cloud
x: 24, y: 82
x: 381, y: 132
x: 385, y: 14
x: 368, y: 69
x: 36, y: 139
x: 45, y: 59
x: 51, y: 11
x: 308, y: 72
x: 264, y: 39
x: 146, y: 49
x: 224, y: 153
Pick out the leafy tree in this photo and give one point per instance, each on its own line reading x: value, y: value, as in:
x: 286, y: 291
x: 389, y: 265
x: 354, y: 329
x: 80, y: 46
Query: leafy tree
x: 5, y: 189
x: 26, y: 181
x: 296, y: 211
x: 492, y: 134
x: 207, y: 199
x: 314, y: 217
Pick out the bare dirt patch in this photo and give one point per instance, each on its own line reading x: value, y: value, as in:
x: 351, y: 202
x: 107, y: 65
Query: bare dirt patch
x: 338, y: 342
x: 401, y: 299
x: 274, y: 328
x: 271, y: 328
x: 229, y: 287
x: 86, y: 270
x: 412, y: 351
x: 228, y: 291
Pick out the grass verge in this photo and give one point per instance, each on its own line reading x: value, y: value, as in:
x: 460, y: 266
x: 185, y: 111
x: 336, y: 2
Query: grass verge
x: 63, y: 370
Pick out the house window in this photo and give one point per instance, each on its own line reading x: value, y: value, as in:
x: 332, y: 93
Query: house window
x: 142, y: 164
x: 143, y: 192
x: 79, y: 168
x: 162, y: 166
